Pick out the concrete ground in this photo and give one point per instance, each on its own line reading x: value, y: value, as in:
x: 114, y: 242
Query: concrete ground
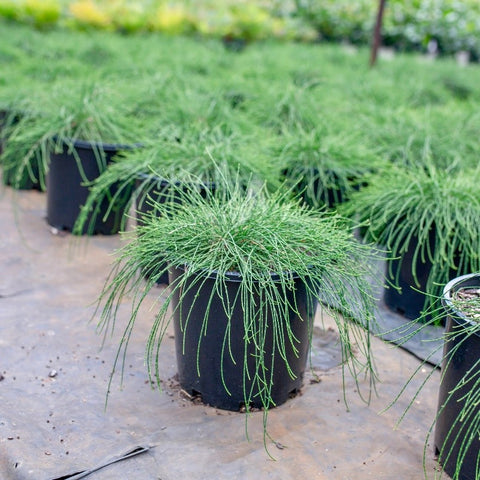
x: 54, y: 377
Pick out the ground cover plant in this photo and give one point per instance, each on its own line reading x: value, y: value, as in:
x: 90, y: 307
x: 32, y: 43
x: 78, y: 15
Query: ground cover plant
x: 266, y: 96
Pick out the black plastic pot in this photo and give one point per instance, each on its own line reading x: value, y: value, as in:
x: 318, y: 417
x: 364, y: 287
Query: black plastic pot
x: 409, y: 301
x: 315, y: 194
x: 25, y: 181
x: 461, y: 356
x: 29, y: 180
x: 205, y: 348
x: 68, y: 172
x: 234, y: 44
x: 151, y: 189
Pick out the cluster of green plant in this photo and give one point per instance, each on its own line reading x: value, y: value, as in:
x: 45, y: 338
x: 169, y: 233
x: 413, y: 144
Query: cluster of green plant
x: 266, y: 241
x: 298, y: 120
x: 41, y: 14
x: 453, y: 26
x: 432, y: 211
x: 289, y: 104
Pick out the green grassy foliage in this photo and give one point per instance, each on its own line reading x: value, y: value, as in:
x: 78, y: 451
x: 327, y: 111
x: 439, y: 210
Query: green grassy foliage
x: 254, y: 234
x: 303, y: 107
x: 405, y: 134
x: 413, y: 203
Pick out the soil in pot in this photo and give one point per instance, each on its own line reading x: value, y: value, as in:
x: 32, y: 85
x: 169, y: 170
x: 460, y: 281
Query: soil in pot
x: 68, y: 172
x: 461, y: 359
x: 211, y: 366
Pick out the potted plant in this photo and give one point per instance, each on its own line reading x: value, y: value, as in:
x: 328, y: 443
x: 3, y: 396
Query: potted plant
x: 457, y: 424
x: 198, y: 154
x: 20, y: 155
x: 75, y: 131
x: 325, y: 164
x: 38, y: 63
x: 427, y: 219
x: 95, y: 127
x: 246, y: 271
x: 181, y: 157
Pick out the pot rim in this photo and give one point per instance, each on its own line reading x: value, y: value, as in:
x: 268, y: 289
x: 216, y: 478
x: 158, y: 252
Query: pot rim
x: 234, y: 276
x: 89, y: 144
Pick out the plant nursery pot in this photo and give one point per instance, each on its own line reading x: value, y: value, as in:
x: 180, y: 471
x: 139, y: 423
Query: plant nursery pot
x: 66, y: 190
x: 324, y: 196
x: 410, y: 300
x: 317, y: 195
x: 407, y: 302
x: 234, y: 44
x: 450, y: 429
x: 151, y: 188
x: 25, y: 182
x: 28, y: 179
x: 221, y: 367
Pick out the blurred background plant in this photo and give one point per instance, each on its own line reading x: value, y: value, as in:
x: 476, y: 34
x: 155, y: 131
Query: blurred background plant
x: 429, y: 26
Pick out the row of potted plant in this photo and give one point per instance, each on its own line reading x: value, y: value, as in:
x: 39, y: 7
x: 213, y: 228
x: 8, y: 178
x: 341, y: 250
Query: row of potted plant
x: 213, y: 149
x: 207, y: 155
x: 186, y: 125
